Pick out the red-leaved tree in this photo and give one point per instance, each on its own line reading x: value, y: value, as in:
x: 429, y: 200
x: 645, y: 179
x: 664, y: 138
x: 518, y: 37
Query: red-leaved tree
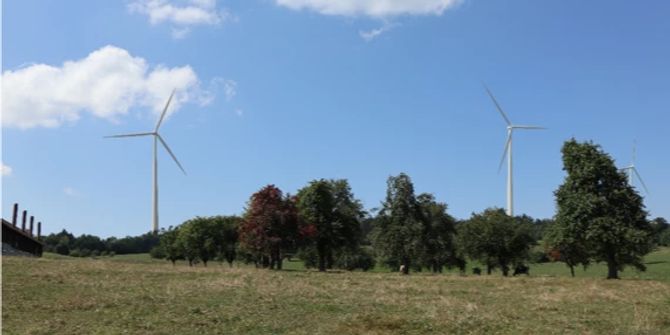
x: 270, y: 227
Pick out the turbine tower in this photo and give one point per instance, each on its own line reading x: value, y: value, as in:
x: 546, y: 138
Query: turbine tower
x: 508, y: 151
x: 157, y: 138
x: 631, y: 172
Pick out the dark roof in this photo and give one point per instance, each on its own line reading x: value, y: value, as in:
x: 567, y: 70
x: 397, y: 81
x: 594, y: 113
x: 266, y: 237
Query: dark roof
x: 19, y: 231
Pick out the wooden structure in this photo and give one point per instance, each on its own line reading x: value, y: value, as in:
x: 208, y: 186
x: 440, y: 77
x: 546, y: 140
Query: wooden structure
x: 20, y: 238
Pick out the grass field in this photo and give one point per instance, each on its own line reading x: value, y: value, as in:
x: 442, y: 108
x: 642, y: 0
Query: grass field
x: 136, y: 295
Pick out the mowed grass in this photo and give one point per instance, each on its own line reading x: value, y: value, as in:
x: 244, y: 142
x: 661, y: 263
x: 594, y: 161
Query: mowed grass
x: 137, y: 295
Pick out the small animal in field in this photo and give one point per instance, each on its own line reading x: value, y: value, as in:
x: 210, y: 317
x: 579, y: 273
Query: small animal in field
x: 477, y: 271
x: 402, y: 269
x: 521, y: 269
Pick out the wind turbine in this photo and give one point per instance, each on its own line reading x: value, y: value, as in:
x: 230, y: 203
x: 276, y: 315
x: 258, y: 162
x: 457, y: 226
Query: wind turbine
x: 508, y: 150
x: 157, y: 138
x: 631, y: 170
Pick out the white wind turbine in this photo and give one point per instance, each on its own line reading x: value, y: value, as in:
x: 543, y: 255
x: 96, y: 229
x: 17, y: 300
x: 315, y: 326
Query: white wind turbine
x: 631, y: 170
x: 508, y: 150
x: 157, y: 138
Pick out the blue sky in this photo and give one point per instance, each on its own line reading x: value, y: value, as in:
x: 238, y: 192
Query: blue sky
x: 287, y: 91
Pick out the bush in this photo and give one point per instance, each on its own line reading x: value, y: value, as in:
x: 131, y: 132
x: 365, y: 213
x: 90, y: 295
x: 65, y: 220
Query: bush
x: 95, y: 253
x: 75, y: 253
x: 62, y: 249
x: 157, y: 252
x: 361, y: 258
x: 664, y: 239
x: 538, y: 255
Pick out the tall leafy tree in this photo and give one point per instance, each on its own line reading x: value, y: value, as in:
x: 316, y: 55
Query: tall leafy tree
x: 333, y: 216
x: 269, y: 227
x: 398, y: 231
x: 170, y: 245
x: 438, y: 244
x: 227, y: 231
x: 599, y: 210
x: 496, y: 239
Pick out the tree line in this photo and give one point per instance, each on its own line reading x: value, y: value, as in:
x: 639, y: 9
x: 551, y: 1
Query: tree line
x: 65, y: 243
x: 600, y: 218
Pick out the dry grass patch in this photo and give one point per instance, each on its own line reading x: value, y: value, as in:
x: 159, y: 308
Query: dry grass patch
x: 84, y: 296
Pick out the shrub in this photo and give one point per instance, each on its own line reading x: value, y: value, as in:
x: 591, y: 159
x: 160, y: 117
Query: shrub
x: 157, y: 252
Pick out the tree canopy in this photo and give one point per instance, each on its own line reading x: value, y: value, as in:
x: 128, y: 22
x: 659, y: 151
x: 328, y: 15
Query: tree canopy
x: 599, y: 213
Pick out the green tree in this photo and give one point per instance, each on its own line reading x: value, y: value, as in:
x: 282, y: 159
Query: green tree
x: 600, y: 211
x: 660, y: 229
x: 227, y: 230
x: 496, y: 239
x: 170, y: 245
x: 398, y: 231
x: 331, y: 216
x: 199, y: 239
x: 438, y: 244
x: 565, y: 243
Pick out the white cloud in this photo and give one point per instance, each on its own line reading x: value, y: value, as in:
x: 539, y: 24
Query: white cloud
x: 69, y: 191
x: 107, y: 84
x: 230, y: 89
x: 374, y: 33
x: 181, y: 14
x: 371, y: 8
x: 6, y: 170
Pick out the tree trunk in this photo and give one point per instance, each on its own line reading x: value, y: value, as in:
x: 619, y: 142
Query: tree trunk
x: 612, y: 270
x: 505, y: 270
x: 406, y: 262
x: 173, y: 262
x: 572, y: 270
x: 322, y: 263
x: 489, y: 269
x: 279, y: 263
x: 204, y: 262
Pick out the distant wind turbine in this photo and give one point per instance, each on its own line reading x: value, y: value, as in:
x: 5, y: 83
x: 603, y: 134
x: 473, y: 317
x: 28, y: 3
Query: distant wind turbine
x: 631, y: 170
x: 508, y: 150
x: 157, y: 138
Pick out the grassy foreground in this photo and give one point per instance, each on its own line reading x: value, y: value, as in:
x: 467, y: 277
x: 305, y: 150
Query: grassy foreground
x: 134, y: 295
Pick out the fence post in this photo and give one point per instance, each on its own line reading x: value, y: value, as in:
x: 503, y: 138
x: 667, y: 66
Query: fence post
x: 39, y: 230
x: 32, y: 220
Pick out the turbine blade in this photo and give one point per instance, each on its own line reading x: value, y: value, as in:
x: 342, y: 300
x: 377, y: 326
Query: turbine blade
x: 529, y: 127
x: 509, y: 123
x: 507, y: 144
x: 640, y: 179
x: 170, y: 152
x: 129, y: 135
x: 164, y: 111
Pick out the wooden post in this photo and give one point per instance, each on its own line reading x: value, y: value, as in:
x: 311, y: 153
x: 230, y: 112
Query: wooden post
x: 23, y: 220
x: 32, y: 220
x: 15, y: 214
x: 39, y: 230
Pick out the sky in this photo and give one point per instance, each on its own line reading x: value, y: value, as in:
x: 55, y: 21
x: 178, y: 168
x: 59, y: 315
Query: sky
x: 287, y: 91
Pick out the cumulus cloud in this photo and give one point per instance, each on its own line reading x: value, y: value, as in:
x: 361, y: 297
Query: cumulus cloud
x: 182, y: 15
x: 107, y: 84
x: 5, y: 169
x: 371, y: 8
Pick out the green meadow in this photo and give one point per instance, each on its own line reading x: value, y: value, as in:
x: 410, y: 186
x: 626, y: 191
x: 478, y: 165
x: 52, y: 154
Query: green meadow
x: 134, y: 294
